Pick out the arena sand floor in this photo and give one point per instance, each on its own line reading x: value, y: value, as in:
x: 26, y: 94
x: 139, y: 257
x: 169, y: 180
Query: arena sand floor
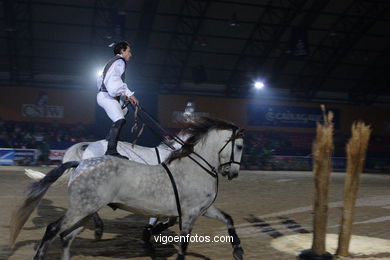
x: 272, y: 213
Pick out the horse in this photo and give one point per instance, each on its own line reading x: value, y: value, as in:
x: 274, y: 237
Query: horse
x: 137, y: 153
x: 213, y: 147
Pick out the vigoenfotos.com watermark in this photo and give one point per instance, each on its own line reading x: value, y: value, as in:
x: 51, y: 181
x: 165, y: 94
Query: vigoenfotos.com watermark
x: 192, y: 239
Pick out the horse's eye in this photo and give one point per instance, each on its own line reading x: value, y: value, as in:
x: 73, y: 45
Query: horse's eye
x: 239, y: 147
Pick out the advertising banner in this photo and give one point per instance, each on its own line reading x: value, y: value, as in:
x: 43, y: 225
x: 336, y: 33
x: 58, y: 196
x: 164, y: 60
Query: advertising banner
x: 286, y: 116
x: 32, y: 110
x: 7, y: 156
x: 48, y: 105
x: 26, y: 155
x: 56, y: 155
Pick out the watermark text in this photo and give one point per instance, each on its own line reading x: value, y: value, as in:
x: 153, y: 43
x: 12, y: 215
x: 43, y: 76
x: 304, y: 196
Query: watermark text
x: 192, y: 239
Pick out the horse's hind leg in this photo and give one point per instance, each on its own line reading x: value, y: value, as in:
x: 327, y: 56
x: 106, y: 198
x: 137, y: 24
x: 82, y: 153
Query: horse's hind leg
x: 215, y: 213
x: 67, y: 241
x: 69, y: 222
x: 99, y: 226
x: 72, y: 224
x: 50, y: 233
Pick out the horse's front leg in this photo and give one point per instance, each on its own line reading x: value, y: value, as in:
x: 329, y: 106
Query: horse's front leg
x: 215, y: 213
x: 187, y: 224
x: 99, y: 226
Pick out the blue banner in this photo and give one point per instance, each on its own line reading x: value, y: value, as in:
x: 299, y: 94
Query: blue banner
x: 287, y: 116
x: 25, y: 155
x: 7, y: 156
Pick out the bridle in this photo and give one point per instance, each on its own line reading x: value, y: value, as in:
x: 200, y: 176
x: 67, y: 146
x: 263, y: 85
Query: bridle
x: 213, y: 171
x: 232, y: 140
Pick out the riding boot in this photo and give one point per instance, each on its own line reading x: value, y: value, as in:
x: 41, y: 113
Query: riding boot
x: 113, y: 137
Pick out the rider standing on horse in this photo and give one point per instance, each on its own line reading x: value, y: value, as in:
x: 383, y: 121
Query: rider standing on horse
x: 111, y: 87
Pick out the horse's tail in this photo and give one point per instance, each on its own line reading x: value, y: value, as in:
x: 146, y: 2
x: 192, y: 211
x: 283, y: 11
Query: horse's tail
x: 35, y: 193
x: 37, y: 175
x: 33, y: 174
x: 73, y: 153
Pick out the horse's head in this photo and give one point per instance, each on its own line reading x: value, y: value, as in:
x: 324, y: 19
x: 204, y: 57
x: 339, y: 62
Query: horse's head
x: 205, y: 136
x: 230, y: 154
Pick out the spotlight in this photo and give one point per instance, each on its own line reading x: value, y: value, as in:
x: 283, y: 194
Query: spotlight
x: 99, y: 72
x: 259, y: 84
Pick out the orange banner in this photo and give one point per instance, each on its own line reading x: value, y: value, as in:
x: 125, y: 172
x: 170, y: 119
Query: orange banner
x: 47, y: 105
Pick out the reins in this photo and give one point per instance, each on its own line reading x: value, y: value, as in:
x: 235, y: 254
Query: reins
x: 154, y: 121
x: 212, y: 171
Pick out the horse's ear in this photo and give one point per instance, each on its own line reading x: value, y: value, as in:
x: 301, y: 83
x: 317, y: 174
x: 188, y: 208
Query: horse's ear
x: 241, y: 132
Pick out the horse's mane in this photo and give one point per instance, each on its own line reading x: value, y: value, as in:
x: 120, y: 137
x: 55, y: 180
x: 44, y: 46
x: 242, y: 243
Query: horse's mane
x: 168, y: 143
x: 196, y: 130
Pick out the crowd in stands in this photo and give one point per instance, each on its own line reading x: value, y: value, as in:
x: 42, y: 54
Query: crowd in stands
x: 260, y: 146
x: 14, y: 134
x: 300, y: 144
x: 30, y: 135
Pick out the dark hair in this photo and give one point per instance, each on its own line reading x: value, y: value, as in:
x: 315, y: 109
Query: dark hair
x: 120, y: 46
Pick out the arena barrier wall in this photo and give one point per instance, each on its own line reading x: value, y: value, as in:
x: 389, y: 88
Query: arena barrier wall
x: 304, y: 163
x: 10, y: 156
x: 7, y: 156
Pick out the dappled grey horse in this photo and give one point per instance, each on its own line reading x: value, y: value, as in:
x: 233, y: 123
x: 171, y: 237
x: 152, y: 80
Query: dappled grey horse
x: 184, y: 186
x: 137, y: 153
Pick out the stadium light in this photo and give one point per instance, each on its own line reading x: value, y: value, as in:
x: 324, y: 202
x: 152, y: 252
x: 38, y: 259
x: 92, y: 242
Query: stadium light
x: 259, y: 85
x: 99, y: 72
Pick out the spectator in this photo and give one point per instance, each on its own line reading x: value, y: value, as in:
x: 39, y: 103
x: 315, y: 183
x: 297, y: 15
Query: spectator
x: 3, y: 138
x: 27, y: 139
x: 39, y: 137
x: 44, y: 150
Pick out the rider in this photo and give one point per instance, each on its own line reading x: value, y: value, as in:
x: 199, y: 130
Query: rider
x: 111, y: 87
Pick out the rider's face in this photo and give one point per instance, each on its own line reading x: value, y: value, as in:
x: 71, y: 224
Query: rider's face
x: 126, y: 54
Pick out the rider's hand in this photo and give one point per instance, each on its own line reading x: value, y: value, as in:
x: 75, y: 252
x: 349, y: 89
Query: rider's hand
x: 133, y: 100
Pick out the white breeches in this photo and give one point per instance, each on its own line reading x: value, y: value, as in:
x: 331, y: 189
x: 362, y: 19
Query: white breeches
x: 111, y: 106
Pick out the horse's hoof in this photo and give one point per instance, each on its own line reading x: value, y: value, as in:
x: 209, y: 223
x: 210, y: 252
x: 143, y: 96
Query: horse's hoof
x: 180, y: 257
x: 238, y: 253
x: 98, y: 234
x: 147, y: 245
